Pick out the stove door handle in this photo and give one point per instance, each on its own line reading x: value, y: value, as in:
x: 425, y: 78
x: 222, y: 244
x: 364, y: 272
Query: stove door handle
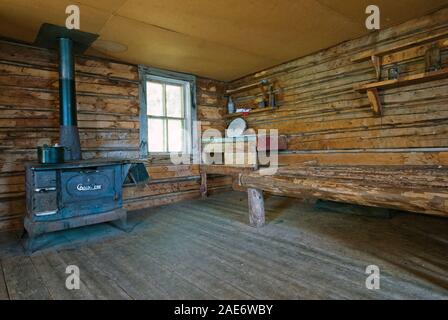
x: 46, y: 213
x: 42, y: 190
x: 88, y: 171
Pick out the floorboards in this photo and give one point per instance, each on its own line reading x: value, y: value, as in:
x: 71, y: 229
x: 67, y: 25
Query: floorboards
x: 204, y: 249
x: 3, y: 290
x: 23, y: 280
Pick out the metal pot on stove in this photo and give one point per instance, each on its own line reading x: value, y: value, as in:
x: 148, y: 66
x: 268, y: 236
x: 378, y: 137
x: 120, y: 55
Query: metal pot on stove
x: 51, y: 154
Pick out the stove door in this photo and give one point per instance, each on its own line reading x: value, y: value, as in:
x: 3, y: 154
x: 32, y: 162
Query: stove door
x: 90, y: 191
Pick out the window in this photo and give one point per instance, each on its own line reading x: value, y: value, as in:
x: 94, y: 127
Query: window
x: 167, y: 113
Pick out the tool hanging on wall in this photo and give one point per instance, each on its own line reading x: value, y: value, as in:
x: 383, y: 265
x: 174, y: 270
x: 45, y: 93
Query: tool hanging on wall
x: 272, y: 100
x: 266, y: 99
x: 263, y: 101
x: 394, y: 72
x: 433, y: 59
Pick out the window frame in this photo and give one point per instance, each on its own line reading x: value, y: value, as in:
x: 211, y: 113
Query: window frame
x: 188, y: 83
x: 184, y: 117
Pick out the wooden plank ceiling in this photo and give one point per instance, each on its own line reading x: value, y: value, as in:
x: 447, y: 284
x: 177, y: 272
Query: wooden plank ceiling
x: 219, y: 39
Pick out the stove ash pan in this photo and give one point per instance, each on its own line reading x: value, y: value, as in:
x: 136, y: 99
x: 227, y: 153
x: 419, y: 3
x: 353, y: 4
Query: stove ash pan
x: 59, y: 192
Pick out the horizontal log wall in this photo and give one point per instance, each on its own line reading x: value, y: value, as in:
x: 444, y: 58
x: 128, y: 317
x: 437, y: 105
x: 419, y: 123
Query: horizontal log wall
x: 108, y: 117
x: 327, y: 122
x: 211, y: 104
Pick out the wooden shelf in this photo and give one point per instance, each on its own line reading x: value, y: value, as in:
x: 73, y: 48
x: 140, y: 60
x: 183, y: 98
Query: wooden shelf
x: 247, y: 87
x: 428, y: 38
x: 404, y: 81
x: 242, y: 114
x: 376, y: 55
x: 372, y: 88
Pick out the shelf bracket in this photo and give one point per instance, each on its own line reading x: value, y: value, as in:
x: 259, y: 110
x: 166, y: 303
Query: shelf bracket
x: 377, y: 64
x: 375, y: 102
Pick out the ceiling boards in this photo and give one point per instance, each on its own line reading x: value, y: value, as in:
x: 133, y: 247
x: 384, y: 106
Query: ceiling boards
x: 219, y: 39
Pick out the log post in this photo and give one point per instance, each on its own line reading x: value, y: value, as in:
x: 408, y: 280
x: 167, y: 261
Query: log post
x: 204, y: 191
x: 256, y: 207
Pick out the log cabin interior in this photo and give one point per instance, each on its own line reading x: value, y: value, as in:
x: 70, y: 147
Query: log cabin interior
x: 226, y: 149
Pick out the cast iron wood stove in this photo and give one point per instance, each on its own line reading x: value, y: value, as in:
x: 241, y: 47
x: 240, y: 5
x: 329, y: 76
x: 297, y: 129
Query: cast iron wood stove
x: 76, y: 192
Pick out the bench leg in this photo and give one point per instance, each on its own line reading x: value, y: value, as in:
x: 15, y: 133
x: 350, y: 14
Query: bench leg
x: 204, y: 191
x: 256, y: 207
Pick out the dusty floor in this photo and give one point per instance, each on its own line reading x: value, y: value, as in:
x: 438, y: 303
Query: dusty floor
x: 205, y: 250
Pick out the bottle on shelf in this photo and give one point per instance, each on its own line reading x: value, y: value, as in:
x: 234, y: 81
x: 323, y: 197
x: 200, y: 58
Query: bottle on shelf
x: 230, y: 106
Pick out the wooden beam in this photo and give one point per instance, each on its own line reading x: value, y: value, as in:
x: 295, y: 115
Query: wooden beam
x: 256, y: 207
x: 375, y: 102
x: 362, y: 157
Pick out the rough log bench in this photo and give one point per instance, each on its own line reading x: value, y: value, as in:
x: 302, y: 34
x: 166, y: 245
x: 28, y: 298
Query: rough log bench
x: 421, y: 189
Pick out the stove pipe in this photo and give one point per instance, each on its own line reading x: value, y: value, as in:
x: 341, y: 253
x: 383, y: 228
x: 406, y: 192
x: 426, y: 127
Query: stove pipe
x: 69, y: 135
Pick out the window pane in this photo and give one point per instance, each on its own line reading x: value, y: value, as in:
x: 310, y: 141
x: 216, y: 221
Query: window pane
x: 174, y: 101
x: 175, y: 135
x: 154, y: 98
x: 155, y: 135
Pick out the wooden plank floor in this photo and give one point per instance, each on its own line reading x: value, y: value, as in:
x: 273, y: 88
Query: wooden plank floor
x: 204, y: 249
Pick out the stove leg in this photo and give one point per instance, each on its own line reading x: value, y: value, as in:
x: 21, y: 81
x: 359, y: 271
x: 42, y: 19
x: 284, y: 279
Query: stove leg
x: 32, y: 233
x: 29, y: 245
x: 29, y: 242
x: 22, y: 236
x: 122, y: 223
